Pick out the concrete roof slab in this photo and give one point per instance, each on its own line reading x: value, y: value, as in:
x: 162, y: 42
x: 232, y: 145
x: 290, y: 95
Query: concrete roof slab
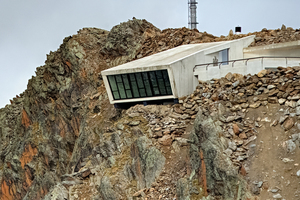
x: 164, y: 58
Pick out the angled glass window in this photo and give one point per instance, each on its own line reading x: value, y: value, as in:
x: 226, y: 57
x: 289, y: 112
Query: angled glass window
x: 224, y: 55
x: 139, y: 85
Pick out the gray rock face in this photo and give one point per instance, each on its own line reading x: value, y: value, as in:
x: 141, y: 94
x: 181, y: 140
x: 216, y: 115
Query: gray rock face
x: 59, y: 192
x: 106, y: 190
x: 182, y: 189
x: 147, y: 162
x: 222, y: 177
x: 130, y: 39
x: 290, y: 146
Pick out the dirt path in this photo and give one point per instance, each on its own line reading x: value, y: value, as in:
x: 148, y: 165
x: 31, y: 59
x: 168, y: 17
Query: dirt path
x: 268, y: 174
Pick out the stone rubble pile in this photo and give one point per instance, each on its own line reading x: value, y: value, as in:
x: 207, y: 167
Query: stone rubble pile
x: 170, y: 38
x: 229, y: 99
x: 166, y: 123
x: 285, y: 34
x: 156, y: 41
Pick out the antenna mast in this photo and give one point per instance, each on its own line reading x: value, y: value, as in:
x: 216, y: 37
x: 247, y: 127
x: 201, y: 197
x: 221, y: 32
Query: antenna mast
x: 192, y: 4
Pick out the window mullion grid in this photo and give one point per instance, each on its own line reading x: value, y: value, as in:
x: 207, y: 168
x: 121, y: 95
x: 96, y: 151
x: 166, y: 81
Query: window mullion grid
x: 164, y: 80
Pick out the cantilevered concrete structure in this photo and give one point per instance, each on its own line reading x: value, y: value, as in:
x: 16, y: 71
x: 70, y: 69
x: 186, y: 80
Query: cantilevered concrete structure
x: 169, y: 74
x: 175, y: 73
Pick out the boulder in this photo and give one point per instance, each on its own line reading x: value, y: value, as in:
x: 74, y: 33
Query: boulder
x: 288, y: 124
x: 262, y: 73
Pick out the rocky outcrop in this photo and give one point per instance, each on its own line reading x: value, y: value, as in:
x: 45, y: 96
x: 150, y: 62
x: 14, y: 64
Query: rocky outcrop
x: 222, y: 176
x: 61, y: 139
x: 147, y: 162
x: 131, y: 38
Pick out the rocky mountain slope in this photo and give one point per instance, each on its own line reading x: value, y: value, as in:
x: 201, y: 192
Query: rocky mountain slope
x: 61, y: 139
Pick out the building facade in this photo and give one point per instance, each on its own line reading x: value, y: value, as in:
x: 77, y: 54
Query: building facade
x: 175, y: 73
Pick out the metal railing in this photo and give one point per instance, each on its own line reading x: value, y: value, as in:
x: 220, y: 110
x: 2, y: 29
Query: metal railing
x: 244, y: 59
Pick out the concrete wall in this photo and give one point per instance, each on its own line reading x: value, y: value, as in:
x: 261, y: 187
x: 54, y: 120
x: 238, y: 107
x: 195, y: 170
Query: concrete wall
x: 287, y: 49
x: 251, y: 67
x: 290, y: 52
x: 182, y: 70
x: 235, y: 52
x: 290, y: 49
x: 238, y: 50
x: 235, y: 49
x: 204, y: 74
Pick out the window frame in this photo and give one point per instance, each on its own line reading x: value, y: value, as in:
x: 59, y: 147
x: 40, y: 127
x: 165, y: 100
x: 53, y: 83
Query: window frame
x: 144, y: 84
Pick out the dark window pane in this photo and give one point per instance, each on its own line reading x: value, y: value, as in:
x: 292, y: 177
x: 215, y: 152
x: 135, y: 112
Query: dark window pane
x: 169, y: 90
x: 166, y: 77
x: 129, y: 94
x: 116, y: 95
x: 132, y: 77
x: 142, y: 92
x: 159, y: 75
x: 112, y: 83
x: 147, y: 84
x: 161, y: 86
x: 126, y: 82
x: 135, y: 90
x: 139, y: 80
x: 122, y: 90
x: 153, y: 79
x: 118, y: 78
x: 156, y: 91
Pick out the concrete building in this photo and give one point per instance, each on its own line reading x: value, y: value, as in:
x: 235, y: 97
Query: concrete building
x: 175, y: 73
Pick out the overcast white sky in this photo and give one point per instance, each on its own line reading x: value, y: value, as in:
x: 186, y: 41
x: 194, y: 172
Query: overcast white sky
x: 31, y: 29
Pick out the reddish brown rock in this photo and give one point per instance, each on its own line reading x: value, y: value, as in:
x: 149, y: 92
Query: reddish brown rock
x: 243, y: 171
x: 7, y: 191
x: 288, y: 124
x: 243, y: 135
x: 28, y: 154
x: 229, y: 76
x: 262, y: 73
x: 273, y: 100
x: 215, y: 97
x: 166, y: 140
x: 86, y: 173
x: 178, y: 110
x: 25, y: 119
x: 236, y: 129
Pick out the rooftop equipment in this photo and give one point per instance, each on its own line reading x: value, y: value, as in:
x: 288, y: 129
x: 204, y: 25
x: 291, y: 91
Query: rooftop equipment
x: 238, y: 30
x: 192, y: 14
